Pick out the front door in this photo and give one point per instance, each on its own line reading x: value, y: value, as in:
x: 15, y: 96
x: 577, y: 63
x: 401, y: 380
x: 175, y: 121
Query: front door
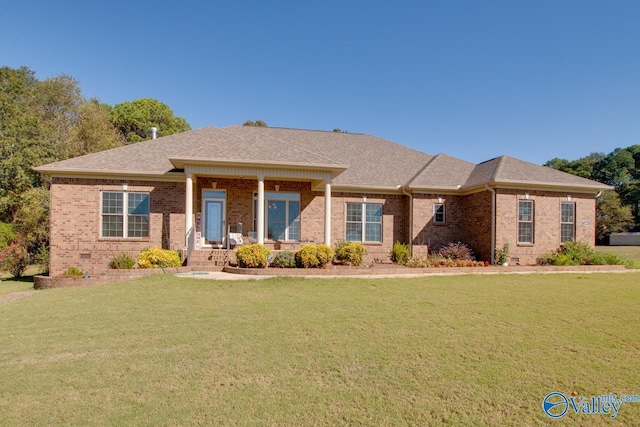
x: 214, y: 217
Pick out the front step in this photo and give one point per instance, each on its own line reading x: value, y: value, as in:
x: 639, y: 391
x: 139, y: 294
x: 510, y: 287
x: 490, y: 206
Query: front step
x: 211, y: 259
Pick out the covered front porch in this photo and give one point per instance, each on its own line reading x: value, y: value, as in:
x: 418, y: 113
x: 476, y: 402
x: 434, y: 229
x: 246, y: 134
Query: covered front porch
x: 231, y: 204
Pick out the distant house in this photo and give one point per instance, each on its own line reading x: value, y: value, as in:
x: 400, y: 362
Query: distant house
x: 283, y: 187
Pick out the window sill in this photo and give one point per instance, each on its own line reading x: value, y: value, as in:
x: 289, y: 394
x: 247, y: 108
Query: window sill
x: 123, y: 239
x: 526, y: 245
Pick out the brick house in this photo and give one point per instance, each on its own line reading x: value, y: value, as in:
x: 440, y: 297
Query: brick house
x: 284, y: 187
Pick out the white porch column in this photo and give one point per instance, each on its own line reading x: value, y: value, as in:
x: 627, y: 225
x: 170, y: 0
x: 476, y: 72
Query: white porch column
x: 327, y: 213
x: 260, y: 216
x: 188, y: 209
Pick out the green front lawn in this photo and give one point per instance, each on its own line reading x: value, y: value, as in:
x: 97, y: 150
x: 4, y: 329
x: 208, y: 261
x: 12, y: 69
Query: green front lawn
x: 462, y: 350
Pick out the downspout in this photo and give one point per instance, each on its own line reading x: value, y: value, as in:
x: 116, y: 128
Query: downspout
x: 410, y: 219
x: 493, y: 223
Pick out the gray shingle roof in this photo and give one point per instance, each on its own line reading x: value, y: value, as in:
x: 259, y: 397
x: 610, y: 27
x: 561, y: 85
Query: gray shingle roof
x: 443, y: 172
x: 508, y: 170
x: 371, y: 162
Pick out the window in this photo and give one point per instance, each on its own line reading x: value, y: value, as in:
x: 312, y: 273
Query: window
x: 525, y: 221
x: 438, y: 213
x: 567, y: 221
x: 281, y: 216
x: 364, y: 222
x: 117, y: 223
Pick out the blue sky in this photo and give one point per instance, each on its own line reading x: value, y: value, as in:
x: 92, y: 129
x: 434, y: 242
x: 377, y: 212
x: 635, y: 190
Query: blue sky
x: 533, y: 79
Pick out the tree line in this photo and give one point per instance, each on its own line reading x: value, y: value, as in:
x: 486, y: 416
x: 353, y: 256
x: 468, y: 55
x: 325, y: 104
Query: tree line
x: 43, y: 121
x: 617, y: 210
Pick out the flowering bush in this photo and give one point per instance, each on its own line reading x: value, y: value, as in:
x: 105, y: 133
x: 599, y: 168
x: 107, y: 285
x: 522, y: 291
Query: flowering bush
x: 350, y: 253
x: 158, y: 258
x: 14, y: 259
x: 314, y: 256
x: 253, y: 256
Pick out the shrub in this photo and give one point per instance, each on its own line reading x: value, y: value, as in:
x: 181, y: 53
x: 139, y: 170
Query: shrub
x: 324, y: 254
x: 314, y: 256
x: 502, y: 255
x: 122, y: 262
x: 158, y: 258
x: 350, y: 253
x: 284, y: 259
x: 73, y: 272
x: 457, y: 250
x: 253, y: 256
x: 436, y: 260
x: 14, y: 259
x: 41, y: 257
x: 579, y: 253
x: 400, y: 253
x: 7, y: 235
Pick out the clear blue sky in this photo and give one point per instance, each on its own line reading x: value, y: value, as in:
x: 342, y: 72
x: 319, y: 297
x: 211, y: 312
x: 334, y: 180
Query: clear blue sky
x: 533, y: 79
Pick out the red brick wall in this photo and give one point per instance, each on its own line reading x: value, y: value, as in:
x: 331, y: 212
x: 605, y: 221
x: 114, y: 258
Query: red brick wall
x: 428, y: 235
x: 477, y: 224
x: 546, y: 222
x: 75, y: 219
x: 75, y: 223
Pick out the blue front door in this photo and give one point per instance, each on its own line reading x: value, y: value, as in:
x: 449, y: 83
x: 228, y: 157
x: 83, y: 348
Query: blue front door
x: 214, y: 221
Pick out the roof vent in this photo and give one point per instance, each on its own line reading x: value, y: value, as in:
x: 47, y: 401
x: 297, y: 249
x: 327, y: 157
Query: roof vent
x: 154, y: 131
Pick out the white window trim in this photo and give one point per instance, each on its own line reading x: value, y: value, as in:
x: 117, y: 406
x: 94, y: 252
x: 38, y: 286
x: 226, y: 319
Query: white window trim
x: 532, y: 222
x: 364, y: 222
x: 124, y: 214
x: 572, y: 223
x: 268, y: 197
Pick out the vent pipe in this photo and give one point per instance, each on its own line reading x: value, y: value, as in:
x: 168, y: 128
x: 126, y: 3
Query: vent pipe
x: 154, y: 131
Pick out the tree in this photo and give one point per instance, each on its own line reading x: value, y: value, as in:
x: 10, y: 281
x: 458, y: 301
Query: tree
x: 135, y: 119
x: 583, y: 167
x: 257, y: 123
x: 616, y: 168
x: 620, y: 168
x: 611, y: 216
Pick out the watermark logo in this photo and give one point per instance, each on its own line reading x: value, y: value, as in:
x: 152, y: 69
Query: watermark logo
x: 556, y: 404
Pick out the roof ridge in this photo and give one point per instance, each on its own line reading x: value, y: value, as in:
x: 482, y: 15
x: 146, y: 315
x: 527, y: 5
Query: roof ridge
x: 297, y: 147
x: 498, y: 167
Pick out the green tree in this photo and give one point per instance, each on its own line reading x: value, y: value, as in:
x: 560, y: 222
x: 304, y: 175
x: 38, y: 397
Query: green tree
x: 611, y: 216
x: 31, y: 220
x: 41, y: 122
x: 583, y: 167
x: 257, y: 123
x: 135, y: 119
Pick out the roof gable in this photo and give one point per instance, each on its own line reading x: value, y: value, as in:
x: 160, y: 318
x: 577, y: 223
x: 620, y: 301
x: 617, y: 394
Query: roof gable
x: 509, y: 170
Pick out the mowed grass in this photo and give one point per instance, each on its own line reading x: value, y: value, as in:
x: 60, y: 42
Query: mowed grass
x: 462, y: 350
